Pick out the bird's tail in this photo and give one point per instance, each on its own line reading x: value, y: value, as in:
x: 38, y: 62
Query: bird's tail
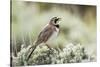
x: 33, y: 48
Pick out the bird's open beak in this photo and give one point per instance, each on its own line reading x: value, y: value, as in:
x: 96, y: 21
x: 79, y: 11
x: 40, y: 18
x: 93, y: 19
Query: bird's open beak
x: 59, y: 19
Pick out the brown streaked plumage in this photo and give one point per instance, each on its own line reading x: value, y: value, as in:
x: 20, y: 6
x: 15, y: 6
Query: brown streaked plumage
x: 50, y: 30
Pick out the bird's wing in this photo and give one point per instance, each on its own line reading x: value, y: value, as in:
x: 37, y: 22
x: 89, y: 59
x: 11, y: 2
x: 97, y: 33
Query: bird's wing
x: 43, y: 37
x: 45, y: 34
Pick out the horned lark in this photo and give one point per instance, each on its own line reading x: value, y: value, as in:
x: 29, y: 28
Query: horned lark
x: 48, y: 34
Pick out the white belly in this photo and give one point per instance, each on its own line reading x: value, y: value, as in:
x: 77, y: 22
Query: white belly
x: 52, y: 39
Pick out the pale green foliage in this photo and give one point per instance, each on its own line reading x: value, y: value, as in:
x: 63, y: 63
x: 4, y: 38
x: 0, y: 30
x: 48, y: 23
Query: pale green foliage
x: 42, y: 55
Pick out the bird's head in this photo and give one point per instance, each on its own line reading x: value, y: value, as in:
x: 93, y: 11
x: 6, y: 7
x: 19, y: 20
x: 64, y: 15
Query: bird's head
x: 55, y: 21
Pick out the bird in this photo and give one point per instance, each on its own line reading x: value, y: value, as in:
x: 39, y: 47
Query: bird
x: 47, y: 34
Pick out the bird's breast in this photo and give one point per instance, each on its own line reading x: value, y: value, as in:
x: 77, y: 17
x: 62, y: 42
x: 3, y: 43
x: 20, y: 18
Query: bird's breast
x: 53, y: 37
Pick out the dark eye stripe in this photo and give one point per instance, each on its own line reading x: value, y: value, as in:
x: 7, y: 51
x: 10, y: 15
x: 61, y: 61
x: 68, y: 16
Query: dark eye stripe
x: 55, y: 20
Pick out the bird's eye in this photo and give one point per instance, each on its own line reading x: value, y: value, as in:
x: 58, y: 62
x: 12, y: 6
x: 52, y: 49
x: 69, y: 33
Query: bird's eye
x: 55, y: 20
